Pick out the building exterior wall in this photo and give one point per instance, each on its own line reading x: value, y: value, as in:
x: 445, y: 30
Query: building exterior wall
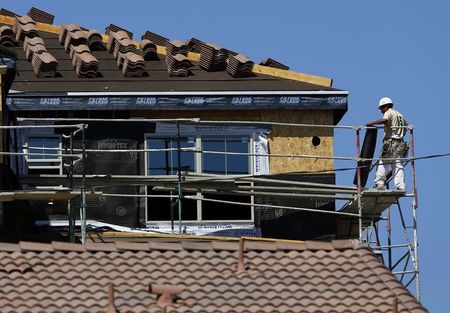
x: 1, y: 116
x: 282, y: 139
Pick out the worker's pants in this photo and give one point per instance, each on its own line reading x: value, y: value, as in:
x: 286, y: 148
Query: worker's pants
x: 397, y: 171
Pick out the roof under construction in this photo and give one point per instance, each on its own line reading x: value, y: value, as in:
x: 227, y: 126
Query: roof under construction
x: 71, y: 62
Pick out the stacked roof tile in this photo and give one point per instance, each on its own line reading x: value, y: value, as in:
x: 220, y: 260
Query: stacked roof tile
x: 240, y: 66
x: 33, y: 45
x: 195, y: 45
x: 74, y: 38
x: 177, y: 61
x: 128, y: 56
x: 24, y: 26
x: 44, y: 63
x: 5, y: 12
x: 198, y: 276
x: 273, y: 63
x: 149, y: 50
x: 66, y: 29
x: 115, y: 29
x: 155, y: 38
x: 41, y: 16
x: 7, y: 37
x: 177, y: 47
x: 76, y: 42
x: 95, y: 40
x: 213, y: 58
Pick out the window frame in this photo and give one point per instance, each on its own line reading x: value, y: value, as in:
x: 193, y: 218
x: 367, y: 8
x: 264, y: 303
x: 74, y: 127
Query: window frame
x: 198, y: 164
x: 28, y: 161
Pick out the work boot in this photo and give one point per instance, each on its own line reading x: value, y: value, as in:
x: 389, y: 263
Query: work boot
x: 379, y: 187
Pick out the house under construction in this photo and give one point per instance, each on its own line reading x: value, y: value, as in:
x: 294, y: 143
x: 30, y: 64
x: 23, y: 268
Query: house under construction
x: 107, y: 138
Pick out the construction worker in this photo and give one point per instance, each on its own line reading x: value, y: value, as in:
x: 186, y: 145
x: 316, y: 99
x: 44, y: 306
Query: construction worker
x: 393, y: 145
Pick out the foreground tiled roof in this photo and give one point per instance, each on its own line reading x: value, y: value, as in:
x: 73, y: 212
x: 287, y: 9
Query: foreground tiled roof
x: 194, y: 276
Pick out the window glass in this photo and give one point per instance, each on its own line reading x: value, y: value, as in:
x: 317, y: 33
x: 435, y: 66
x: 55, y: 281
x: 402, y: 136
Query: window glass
x: 225, y: 164
x: 159, y: 209
x: 34, y: 143
x: 166, y: 162
x: 226, y: 211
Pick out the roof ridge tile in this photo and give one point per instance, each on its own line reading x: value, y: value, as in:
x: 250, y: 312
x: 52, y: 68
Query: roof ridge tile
x: 35, y: 246
x: 66, y: 246
x: 131, y: 246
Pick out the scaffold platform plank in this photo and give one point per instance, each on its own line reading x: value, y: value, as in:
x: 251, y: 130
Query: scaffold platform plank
x: 373, y: 202
x: 38, y: 195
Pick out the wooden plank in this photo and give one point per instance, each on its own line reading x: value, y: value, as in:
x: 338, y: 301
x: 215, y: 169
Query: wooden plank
x: 374, y: 202
x: 6, y: 196
x: 8, y: 20
x: 307, y: 78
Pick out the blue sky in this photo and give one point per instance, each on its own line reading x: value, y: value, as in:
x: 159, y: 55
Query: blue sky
x: 372, y: 49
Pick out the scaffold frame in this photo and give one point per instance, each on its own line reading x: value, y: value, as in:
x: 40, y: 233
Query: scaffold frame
x: 368, y: 226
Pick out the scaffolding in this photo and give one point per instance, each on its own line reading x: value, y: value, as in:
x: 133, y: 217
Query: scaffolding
x: 364, y: 212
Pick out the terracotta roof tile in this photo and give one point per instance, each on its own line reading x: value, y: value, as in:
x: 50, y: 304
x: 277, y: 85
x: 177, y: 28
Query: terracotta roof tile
x: 65, y: 29
x: 7, y: 37
x: 95, y: 41
x: 225, y: 245
x: 41, y: 16
x: 273, y: 63
x: 259, y: 245
x: 134, y: 246
x: 9, y: 247
x: 115, y: 28
x: 318, y: 245
x: 34, y: 246
x: 155, y: 38
x: 192, y: 245
x: 150, y: 73
x: 178, y: 65
x: 149, y: 50
x: 6, y: 12
x: 239, y: 66
x: 177, y: 47
x: 284, y: 245
x: 64, y: 246
x: 213, y: 58
x: 169, y: 246
x: 24, y: 26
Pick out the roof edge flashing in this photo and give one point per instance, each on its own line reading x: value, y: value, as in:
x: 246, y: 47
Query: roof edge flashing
x: 205, y: 93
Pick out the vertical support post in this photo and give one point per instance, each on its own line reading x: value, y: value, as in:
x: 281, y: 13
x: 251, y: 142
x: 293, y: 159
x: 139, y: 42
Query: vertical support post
x: 414, y: 209
x: 179, y: 178
x: 358, y: 175
x: 2, y: 71
x: 389, y: 239
x: 83, y: 187
x: 69, y: 204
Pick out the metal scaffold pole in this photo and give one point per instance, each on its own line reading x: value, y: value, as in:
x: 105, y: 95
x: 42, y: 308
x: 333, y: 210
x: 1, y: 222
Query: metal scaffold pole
x: 69, y: 204
x: 358, y: 174
x: 415, y: 205
x: 83, y: 187
x: 180, y: 192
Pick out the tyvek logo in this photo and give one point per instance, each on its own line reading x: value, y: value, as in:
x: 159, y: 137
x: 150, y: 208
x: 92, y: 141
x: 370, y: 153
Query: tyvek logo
x: 121, y: 211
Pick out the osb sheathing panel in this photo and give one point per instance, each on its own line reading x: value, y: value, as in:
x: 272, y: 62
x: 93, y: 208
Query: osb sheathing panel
x: 283, y: 139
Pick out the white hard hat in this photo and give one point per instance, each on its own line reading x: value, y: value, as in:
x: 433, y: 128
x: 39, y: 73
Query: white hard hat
x: 384, y: 101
